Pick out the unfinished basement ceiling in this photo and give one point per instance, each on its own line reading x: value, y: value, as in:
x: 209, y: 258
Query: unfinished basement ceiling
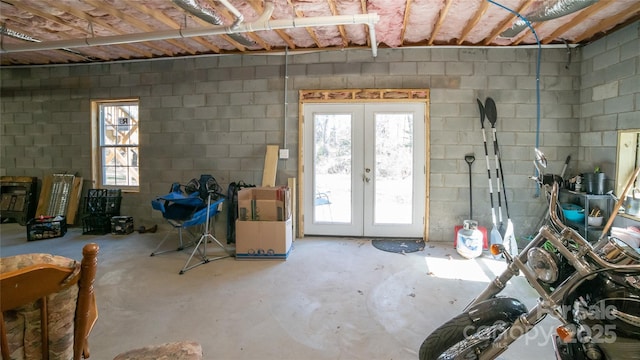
x: 84, y: 31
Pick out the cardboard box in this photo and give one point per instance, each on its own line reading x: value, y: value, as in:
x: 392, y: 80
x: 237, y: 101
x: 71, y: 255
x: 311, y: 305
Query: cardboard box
x: 264, y: 204
x: 263, y: 240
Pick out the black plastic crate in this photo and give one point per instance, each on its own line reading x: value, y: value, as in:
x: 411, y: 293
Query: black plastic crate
x: 46, y: 227
x: 121, y: 225
x: 102, y: 202
x: 96, y: 224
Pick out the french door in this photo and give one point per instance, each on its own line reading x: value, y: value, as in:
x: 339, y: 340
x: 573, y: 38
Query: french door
x: 364, y: 169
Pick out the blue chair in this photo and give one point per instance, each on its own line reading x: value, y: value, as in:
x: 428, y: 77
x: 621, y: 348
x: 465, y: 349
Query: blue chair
x: 185, y: 211
x: 177, y: 209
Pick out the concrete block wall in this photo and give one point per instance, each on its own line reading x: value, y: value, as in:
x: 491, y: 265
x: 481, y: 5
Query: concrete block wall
x: 215, y: 115
x: 609, y: 97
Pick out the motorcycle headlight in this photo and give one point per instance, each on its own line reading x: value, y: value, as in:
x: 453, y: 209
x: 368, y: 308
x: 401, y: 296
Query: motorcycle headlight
x: 543, y: 264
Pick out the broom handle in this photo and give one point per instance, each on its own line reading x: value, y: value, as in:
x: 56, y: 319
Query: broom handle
x: 470, y: 194
x: 614, y: 212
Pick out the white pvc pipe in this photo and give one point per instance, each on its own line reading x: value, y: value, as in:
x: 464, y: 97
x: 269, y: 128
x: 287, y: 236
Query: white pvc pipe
x: 233, y: 10
x: 260, y: 25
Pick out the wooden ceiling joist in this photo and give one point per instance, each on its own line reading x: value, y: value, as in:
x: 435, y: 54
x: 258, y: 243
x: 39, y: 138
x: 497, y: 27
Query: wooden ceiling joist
x: 405, y: 20
x: 363, y: 6
x: 170, y: 23
x: 105, y: 25
x: 113, y: 30
x: 443, y: 15
x: 334, y: 12
x: 507, y: 22
x: 54, y: 19
x: 311, y: 33
x: 474, y: 21
x: 135, y: 22
x: 610, y: 22
x: 259, y: 9
x: 582, y: 15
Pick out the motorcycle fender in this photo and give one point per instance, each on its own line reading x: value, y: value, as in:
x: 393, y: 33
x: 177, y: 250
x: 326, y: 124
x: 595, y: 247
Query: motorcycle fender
x: 499, y: 308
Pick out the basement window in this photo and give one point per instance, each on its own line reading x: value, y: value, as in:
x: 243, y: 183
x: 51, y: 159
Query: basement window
x: 116, y: 151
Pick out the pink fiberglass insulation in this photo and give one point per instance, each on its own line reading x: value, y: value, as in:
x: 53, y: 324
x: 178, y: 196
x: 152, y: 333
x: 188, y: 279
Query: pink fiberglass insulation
x: 282, y: 10
x: 613, y: 8
x: 299, y: 36
x: 56, y: 31
x: 356, y: 34
x: 494, y: 15
x: 455, y: 21
x: 610, y: 11
x: 423, y: 16
x: 326, y: 35
x: 80, y: 19
x: 389, y: 28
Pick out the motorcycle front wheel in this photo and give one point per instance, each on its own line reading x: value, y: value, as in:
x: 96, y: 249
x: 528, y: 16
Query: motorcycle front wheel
x: 462, y: 338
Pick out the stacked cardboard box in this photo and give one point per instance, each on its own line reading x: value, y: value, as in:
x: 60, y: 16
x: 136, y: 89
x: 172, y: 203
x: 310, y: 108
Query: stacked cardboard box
x: 264, y: 226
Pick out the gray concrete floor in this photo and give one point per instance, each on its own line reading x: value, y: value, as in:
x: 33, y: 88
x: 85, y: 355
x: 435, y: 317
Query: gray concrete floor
x: 333, y: 298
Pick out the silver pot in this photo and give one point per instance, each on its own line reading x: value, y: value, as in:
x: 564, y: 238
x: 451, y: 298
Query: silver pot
x: 632, y: 203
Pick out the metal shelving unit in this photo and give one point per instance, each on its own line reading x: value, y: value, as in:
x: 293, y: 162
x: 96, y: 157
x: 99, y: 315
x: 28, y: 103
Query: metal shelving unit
x: 588, y: 202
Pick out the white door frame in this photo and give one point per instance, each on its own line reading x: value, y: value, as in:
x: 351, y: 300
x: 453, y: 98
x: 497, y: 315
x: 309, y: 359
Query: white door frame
x: 361, y: 96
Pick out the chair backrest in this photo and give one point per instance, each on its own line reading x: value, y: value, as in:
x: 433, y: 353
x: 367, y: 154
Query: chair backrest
x: 48, y: 305
x: 178, y: 204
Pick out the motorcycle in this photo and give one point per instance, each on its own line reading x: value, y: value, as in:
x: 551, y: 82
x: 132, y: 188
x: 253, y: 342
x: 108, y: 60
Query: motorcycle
x: 592, y: 289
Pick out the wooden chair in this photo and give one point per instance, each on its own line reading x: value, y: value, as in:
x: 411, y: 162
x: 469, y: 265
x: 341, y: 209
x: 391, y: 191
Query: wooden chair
x: 61, y: 290
x: 49, y: 308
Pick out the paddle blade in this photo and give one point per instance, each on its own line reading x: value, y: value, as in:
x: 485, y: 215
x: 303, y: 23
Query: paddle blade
x: 510, y: 242
x: 481, y: 107
x: 491, y: 111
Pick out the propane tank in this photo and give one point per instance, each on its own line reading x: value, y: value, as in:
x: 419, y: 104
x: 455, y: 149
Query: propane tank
x: 470, y: 240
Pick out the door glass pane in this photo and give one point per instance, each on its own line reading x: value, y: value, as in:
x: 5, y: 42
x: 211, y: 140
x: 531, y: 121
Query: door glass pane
x: 332, y: 168
x: 393, y: 168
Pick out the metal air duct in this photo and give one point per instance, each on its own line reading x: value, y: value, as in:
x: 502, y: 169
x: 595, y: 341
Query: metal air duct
x: 192, y: 7
x: 21, y: 36
x: 551, y: 10
x: 16, y: 35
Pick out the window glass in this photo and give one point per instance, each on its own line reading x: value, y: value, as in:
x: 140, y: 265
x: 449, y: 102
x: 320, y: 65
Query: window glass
x: 119, y: 144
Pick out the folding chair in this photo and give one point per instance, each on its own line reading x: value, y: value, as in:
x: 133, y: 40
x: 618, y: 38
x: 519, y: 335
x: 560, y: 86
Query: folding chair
x: 185, y: 211
x: 177, y: 209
